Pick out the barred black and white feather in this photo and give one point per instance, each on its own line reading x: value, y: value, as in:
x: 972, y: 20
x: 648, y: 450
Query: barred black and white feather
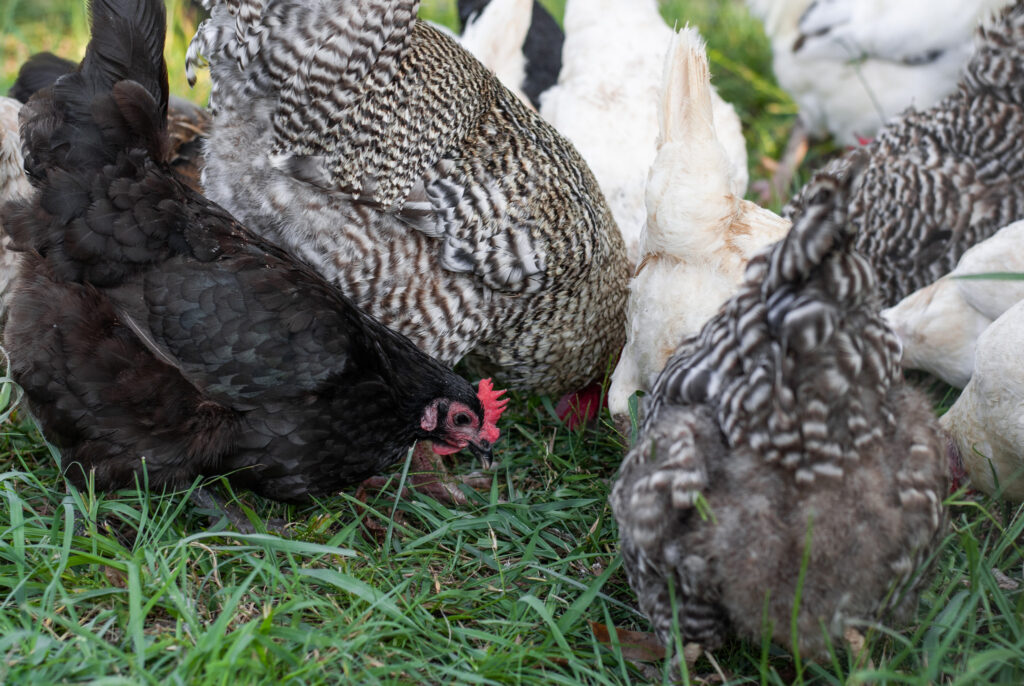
x: 382, y: 153
x: 787, y: 418
x: 943, y: 179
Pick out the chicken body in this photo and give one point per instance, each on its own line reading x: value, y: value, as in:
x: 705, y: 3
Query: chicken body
x: 150, y: 331
x: 607, y: 101
x: 699, y: 234
x: 851, y: 65
x: 985, y: 422
x: 13, y: 184
x: 943, y: 179
x: 518, y: 39
x: 417, y: 184
x: 939, y: 325
x: 780, y: 447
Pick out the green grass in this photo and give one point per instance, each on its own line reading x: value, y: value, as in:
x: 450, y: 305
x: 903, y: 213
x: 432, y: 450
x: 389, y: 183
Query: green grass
x: 140, y: 588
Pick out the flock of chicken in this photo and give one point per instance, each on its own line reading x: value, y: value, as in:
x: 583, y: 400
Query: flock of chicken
x: 276, y: 288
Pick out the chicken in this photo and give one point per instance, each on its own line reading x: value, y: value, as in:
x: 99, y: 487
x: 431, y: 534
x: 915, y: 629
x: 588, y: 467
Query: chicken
x: 13, y: 184
x: 416, y: 183
x: 607, y: 99
x: 985, y: 422
x: 782, y: 455
x: 699, y: 233
x: 518, y: 39
x: 152, y: 332
x: 187, y: 124
x: 939, y: 324
x: 851, y: 65
x: 943, y: 179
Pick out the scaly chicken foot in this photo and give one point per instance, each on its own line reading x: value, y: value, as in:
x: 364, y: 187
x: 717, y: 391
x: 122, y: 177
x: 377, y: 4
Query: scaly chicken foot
x: 205, y: 499
x: 429, y: 475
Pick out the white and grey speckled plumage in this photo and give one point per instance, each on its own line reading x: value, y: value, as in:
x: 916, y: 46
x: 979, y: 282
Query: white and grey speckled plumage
x: 13, y: 184
x: 944, y: 179
x: 386, y: 156
x: 786, y: 417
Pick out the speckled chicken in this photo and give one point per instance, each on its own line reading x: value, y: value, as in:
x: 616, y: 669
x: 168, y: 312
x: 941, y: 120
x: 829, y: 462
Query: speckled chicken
x: 943, y: 179
x: 607, y: 99
x: 528, y: 57
x: 13, y: 184
x: 383, y: 154
x: 785, y: 423
x: 149, y: 329
x: 187, y: 123
x: 939, y: 325
x: 699, y: 234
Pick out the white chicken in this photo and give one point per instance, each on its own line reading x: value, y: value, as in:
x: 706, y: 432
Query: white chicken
x: 939, y: 325
x: 850, y: 65
x: 986, y: 423
x: 13, y: 184
x: 496, y: 36
x: 699, y: 233
x: 606, y: 103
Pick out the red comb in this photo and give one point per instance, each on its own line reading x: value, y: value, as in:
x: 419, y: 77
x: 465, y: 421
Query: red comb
x: 493, y: 405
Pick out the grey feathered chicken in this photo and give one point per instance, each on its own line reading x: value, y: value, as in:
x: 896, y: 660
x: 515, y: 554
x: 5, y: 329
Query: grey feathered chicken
x: 784, y: 420
x: 943, y: 179
x: 379, y: 151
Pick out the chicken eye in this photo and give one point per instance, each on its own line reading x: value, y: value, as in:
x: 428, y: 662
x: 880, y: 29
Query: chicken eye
x: 462, y: 419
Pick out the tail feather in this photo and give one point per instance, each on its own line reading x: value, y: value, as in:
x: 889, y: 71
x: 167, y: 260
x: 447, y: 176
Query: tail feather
x: 686, y: 90
x: 84, y: 122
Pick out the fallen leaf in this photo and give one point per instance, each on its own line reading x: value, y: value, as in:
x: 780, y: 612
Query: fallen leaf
x: 1004, y: 582
x: 635, y: 645
x: 115, y: 577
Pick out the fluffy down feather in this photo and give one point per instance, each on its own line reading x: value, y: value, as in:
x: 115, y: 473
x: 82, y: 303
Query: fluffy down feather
x: 783, y: 417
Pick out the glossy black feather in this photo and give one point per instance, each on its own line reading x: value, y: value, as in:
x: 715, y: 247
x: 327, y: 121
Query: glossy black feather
x: 150, y: 328
x: 39, y: 72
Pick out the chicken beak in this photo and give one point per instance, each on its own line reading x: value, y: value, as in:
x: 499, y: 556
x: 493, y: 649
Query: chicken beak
x: 484, y: 453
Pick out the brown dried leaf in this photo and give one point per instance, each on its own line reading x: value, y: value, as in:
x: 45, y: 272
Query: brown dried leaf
x: 115, y: 577
x: 639, y: 646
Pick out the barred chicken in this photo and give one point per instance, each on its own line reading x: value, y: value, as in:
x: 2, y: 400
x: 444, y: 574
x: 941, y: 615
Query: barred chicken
x: 517, y: 39
x: 380, y: 152
x: 939, y: 325
x: 699, y: 233
x: 607, y: 101
x: 785, y: 423
x: 13, y: 184
x: 187, y: 123
x: 944, y: 179
x: 985, y: 422
x: 150, y: 331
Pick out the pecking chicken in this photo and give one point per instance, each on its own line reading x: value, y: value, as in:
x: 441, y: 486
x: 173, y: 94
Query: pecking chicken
x: 13, y: 184
x: 383, y: 154
x: 699, y: 234
x: 985, y: 422
x: 607, y: 101
x: 851, y: 65
x: 943, y: 179
x: 151, y: 331
x: 939, y: 324
x: 187, y: 124
x: 785, y: 423
x: 518, y: 39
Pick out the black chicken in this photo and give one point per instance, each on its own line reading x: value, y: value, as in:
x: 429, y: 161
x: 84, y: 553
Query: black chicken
x: 150, y: 330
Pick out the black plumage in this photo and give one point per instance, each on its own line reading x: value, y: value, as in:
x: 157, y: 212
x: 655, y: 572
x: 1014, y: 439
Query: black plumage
x: 150, y: 328
x: 187, y: 123
x: 542, y: 47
